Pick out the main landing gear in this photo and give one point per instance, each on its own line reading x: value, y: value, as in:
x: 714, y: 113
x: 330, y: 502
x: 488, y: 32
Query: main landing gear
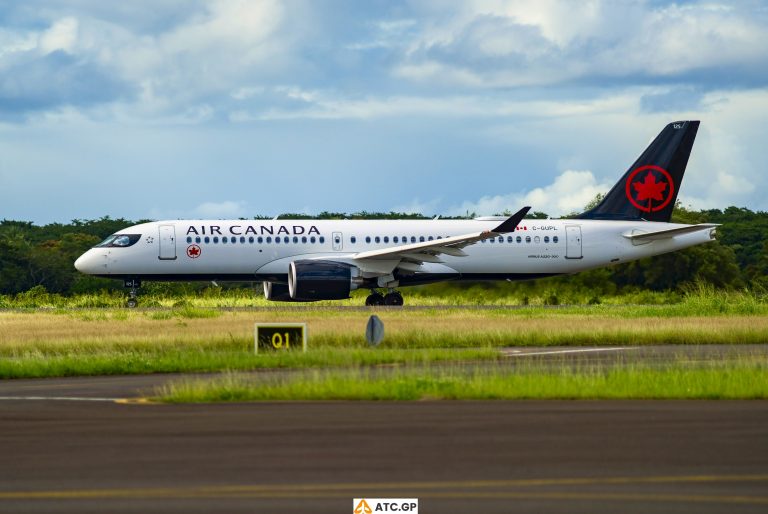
x: 133, y: 294
x: 392, y: 298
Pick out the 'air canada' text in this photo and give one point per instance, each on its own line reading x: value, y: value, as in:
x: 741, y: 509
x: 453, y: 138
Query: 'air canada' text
x: 244, y: 230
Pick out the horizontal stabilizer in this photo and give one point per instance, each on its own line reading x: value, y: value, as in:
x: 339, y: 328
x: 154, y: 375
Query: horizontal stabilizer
x: 668, y: 233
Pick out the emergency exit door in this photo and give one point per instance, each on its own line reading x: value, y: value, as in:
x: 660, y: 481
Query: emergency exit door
x: 167, y: 242
x: 573, y: 242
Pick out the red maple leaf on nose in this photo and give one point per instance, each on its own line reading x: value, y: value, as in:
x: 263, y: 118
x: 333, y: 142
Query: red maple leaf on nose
x: 650, y: 189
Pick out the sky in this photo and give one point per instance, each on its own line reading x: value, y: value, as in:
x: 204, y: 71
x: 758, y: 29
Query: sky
x: 219, y: 109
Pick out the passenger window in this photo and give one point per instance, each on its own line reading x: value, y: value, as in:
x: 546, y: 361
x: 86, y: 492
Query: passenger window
x: 260, y: 240
x: 197, y: 239
x: 537, y: 239
x: 405, y: 239
x: 394, y: 239
x: 353, y: 239
x: 207, y: 239
x: 439, y: 237
x: 421, y: 239
x: 377, y: 239
x: 286, y: 239
x: 367, y: 239
x: 546, y: 239
x: 189, y: 239
x: 501, y: 239
x: 413, y: 239
x: 224, y: 239
x: 277, y: 240
x: 295, y: 239
x: 554, y: 239
x: 304, y: 239
x: 510, y: 239
x: 216, y: 239
x: 431, y: 238
x: 322, y: 239
x: 386, y: 239
x: 519, y: 239
x: 242, y: 239
x: 527, y: 239
x: 312, y: 239
x: 492, y: 240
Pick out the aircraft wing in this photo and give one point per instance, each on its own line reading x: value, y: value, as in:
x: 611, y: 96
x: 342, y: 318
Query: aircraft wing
x: 411, y: 256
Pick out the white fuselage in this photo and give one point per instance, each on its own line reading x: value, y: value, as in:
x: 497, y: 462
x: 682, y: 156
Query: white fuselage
x: 250, y: 250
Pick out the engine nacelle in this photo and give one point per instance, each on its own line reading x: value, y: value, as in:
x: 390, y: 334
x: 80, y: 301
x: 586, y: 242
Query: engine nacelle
x: 276, y: 292
x: 279, y: 293
x: 321, y: 280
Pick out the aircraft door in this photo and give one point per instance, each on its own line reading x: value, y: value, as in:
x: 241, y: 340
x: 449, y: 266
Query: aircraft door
x: 573, y: 242
x: 167, y: 242
x: 338, y: 241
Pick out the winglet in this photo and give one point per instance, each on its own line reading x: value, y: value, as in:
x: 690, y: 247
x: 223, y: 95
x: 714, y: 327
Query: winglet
x: 511, y: 224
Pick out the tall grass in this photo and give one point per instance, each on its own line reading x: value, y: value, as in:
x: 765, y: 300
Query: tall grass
x: 697, y: 296
x: 742, y: 379
x: 41, y: 364
x: 35, y: 343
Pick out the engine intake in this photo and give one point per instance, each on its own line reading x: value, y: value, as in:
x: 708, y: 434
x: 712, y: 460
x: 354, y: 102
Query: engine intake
x: 321, y: 280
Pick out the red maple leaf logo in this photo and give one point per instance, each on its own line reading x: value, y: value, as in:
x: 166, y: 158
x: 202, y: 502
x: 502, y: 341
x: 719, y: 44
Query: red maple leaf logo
x: 650, y: 189
x: 649, y: 195
x: 193, y: 251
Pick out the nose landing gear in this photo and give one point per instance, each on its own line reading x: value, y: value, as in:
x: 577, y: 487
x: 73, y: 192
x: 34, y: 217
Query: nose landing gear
x: 392, y: 298
x: 133, y: 294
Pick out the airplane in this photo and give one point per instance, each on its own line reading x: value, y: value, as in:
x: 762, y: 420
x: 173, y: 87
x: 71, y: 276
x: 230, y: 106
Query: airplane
x: 311, y: 260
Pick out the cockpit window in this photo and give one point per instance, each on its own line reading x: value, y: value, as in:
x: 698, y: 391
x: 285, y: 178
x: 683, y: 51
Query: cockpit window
x: 119, y: 241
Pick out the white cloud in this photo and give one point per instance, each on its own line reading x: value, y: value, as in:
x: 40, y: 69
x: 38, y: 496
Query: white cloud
x: 509, y: 43
x: 570, y: 192
x: 416, y: 206
x: 426, y: 94
x: 328, y: 104
x: 61, y: 36
x: 385, y: 34
x: 226, y: 209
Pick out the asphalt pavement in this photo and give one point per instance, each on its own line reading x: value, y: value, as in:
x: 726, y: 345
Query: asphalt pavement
x: 68, y: 447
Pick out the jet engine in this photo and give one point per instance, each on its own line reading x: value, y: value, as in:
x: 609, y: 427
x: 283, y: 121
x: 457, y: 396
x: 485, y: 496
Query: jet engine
x: 321, y: 280
x: 276, y: 292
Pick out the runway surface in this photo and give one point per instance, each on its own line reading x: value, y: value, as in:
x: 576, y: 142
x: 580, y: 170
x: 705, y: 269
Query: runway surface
x: 87, y: 453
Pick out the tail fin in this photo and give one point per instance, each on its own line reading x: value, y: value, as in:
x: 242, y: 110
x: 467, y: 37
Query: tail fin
x: 649, y: 188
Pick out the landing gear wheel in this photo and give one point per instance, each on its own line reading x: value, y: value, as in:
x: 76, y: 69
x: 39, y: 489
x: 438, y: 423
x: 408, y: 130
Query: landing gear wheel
x: 374, y: 299
x: 133, y: 293
x: 394, y: 299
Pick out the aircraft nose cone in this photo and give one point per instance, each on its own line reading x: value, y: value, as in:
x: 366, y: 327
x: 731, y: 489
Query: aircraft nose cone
x: 80, y: 263
x: 86, y: 263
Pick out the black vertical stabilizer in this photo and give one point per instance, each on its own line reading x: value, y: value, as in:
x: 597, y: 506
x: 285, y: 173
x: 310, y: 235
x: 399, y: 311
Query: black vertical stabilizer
x: 649, y: 188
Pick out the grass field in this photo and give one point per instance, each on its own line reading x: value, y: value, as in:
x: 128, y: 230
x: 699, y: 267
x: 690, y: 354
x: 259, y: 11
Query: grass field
x: 742, y: 379
x: 41, y: 343
x: 690, y: 299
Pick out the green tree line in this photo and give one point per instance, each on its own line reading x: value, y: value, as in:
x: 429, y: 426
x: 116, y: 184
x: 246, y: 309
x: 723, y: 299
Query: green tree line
x: 43, y: 255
